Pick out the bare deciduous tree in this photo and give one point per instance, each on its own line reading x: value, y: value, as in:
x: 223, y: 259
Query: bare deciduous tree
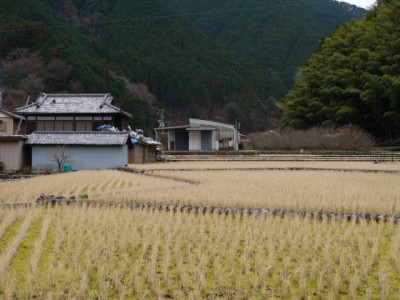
x: 61, y: 156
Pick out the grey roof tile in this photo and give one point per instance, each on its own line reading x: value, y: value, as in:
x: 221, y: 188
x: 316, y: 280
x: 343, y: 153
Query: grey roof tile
x: 91, y: 138
x: 72, y: 104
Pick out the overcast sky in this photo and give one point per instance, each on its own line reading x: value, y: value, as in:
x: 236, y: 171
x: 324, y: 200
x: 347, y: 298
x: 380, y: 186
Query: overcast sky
x: 361, y: 3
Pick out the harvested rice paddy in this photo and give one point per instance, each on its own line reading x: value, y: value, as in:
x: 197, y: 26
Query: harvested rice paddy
x: 71, y: 252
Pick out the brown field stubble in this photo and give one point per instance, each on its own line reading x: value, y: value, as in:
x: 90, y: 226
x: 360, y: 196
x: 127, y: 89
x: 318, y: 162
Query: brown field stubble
x: 227, y: 184
x: 107, y: 253
x: 93, y: 253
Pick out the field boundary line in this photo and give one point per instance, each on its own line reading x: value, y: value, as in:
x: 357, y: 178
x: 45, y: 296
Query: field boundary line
x: 50, y: 201
x: 147, y: 173
x: 219, y: 210
x: 273, y: 156
x: 275, y: 169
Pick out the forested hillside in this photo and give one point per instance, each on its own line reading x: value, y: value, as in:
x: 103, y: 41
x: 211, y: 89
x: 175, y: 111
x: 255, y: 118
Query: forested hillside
x: 277, y: 35
x: 149, y: 57
x: 354, y: 77
x: 179, y: 66
x: 39, y: 52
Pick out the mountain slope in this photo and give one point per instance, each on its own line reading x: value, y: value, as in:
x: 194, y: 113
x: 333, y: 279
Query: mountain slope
x: 277, y: 35
x: 186, y: 71
x: 354, y: 77
x: 38, y: 52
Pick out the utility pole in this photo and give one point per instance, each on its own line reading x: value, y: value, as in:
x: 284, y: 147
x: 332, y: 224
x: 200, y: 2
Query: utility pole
x: 236, y: 136
x: 161, y: 121
x: 161, y: 124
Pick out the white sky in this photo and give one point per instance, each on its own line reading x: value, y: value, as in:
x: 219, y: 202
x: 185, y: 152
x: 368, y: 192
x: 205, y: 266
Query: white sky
x: 361, y: 3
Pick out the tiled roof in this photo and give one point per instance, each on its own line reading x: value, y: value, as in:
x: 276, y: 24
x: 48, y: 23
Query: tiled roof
x: 72, y: 104
x: 92, y: 138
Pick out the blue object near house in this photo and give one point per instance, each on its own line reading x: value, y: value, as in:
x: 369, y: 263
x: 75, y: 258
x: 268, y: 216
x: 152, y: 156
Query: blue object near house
x: 67, y: 168
x: 100, y: 128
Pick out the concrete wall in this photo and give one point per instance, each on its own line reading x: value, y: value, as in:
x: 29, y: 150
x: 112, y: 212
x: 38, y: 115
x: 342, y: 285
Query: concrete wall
x: 12, y: 154
x: 82, y: 158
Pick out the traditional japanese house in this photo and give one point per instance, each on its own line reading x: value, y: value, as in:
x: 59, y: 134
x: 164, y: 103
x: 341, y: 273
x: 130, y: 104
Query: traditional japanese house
x: 72, y: 112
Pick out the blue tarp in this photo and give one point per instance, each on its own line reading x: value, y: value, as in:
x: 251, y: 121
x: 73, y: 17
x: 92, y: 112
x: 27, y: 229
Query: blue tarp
x: 134, y: 141
x: 100, y: 128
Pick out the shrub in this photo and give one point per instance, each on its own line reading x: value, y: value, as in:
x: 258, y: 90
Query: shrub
x: 27, y: 170
x: 345, y: 138
x: 46, y: 171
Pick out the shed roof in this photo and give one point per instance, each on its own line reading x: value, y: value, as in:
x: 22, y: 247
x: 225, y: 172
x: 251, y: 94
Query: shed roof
x: 172, y: 127
x: 92, y: 138
x: 72, y: 104
x: 200, y: 129
x: 206, y: 123
x: 197, y: 124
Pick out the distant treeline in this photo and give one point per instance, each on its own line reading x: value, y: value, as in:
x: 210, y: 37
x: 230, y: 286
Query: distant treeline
x: 148, y: 63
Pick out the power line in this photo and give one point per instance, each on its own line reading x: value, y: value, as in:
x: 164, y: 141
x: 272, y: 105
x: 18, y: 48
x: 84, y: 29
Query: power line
x: 137, y: 19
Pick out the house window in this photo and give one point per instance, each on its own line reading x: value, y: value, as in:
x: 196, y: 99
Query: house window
x: 59, y: 126
x: 40, y: 126
x: 3, y: 126
x: 68, y: 125
x: 45, y: 125
x: 30, y: 127
x: 83, y: 125
x: 64, y: 125
x: 48, y: 125
x: 96, y: 124
x: 88, y: 125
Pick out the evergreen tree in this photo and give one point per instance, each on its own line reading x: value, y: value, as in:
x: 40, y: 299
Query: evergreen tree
x: 353, y: 78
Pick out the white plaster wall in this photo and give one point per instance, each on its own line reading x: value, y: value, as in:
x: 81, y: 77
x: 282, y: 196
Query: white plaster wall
x: 194, y: 140
x: 215, y: 141
x: 82, y: 158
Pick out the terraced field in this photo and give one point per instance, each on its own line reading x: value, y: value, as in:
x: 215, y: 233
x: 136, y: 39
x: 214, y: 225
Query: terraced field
x: 344, y: 187
x: 92, y: 253
x: 80, y: 252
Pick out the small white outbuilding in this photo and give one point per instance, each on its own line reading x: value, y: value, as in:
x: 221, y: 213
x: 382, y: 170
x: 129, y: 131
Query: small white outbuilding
x: 82, y: 150
x: 202, y: 135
